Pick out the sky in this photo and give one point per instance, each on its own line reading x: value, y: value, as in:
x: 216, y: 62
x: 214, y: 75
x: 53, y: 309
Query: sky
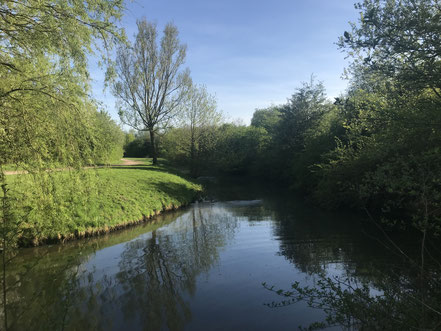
x: 249, y: 54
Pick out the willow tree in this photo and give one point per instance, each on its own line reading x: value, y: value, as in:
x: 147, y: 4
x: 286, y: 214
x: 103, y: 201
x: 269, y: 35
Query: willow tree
x: 45, y: 111
x: 151, y: 84
x: 43, y: 75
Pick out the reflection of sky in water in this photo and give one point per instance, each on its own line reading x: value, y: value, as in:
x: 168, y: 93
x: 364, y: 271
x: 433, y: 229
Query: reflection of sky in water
x: 205, y: 269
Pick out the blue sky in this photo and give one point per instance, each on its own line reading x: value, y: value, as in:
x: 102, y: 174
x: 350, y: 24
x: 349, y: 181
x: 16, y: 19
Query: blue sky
x: 250, y: 54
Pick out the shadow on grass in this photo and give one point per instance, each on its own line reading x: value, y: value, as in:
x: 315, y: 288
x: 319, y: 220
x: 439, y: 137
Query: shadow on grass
x: 161, y: 167
x: 178, y: 191
x: 138, y: 167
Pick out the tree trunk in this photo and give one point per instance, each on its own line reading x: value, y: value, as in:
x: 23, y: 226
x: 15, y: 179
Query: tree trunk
x: 4, y: 242
x: 153, y: 147
x: 193, y: 157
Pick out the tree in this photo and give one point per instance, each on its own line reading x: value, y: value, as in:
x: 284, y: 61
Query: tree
x: 298, y: 117
x: 398, y: 40
x: 391, y: 110
x: 267, y: 118
x: 150, y: 84
x: 43, y: 70
x: 200, y: 118
x: 45, y: 111
x: 299, y: 114
x: 108, y: 139
x: 240, y: 149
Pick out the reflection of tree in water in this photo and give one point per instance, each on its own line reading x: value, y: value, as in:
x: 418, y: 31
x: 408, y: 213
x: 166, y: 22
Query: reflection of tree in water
x: 361, y: 279
x: 40, y: 287
x: 158, y: 272
x: 311, y: 239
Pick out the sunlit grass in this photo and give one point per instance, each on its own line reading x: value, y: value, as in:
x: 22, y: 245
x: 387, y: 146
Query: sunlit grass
x: 96, y: 201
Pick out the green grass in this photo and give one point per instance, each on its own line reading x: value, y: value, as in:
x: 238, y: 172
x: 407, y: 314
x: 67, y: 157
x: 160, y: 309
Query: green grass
x: 82, y: 203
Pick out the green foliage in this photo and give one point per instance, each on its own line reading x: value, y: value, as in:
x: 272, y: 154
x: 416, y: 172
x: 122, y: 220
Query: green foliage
x: 298, y: 133
x: 194, y: 139
x: 137, y: 145
x: 299, y: 115
x: 109, y: 139
x: 45, y: 111
x: 398, y: 41
x: 267, y: 118
x: 383, y: 131
x: 319, y: 141
x: 345, y: 165
x: 391, y: 113
x: 300, y: 120
x: 64, y: 28
x: 238, y: 148
x: 175, y: 146
x: 229, y: 148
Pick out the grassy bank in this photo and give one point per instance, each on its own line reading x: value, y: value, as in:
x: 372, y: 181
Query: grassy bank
x: 62, y: 205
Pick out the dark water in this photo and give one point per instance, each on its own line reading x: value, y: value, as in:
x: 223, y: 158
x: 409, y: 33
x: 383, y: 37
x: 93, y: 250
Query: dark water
x: 200, y: 268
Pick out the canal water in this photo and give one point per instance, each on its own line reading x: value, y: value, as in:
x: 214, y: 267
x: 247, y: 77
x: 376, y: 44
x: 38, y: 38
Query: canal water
x: 199, y: 268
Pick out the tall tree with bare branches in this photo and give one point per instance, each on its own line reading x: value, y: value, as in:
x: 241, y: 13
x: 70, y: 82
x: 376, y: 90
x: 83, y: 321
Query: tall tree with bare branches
x: 151, y: 83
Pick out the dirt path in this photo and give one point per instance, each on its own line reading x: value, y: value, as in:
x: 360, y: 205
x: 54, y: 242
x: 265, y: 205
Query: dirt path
x: 126, y: 162
x: 15, y: 172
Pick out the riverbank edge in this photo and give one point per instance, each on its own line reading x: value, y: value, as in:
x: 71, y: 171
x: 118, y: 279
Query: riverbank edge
x: 99, y: 231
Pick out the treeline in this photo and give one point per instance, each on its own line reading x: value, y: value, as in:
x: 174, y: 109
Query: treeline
x: 376, y: 146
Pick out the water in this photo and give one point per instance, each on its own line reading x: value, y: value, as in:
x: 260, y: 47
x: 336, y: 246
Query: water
x: 200, y: 268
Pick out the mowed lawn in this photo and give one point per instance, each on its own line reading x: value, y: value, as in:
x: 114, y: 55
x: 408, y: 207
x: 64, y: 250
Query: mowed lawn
x: 93, y: 201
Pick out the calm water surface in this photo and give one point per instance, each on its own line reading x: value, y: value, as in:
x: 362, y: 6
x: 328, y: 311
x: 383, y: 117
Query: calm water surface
x: 200, y: 268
